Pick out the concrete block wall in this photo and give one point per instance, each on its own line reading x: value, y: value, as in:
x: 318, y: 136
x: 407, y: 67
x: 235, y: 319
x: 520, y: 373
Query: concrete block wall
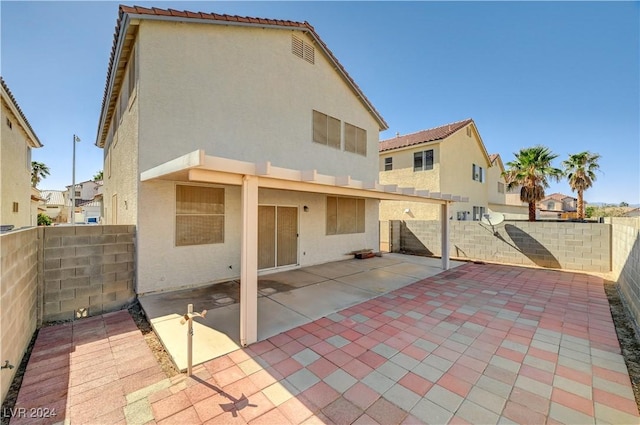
x: 89, y: 268
x: 626, y: 261
x: 563, y: 245
x: 18, y: 299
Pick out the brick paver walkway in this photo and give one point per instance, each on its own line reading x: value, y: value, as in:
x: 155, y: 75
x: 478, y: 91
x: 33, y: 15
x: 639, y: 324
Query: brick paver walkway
x: 481, y: 344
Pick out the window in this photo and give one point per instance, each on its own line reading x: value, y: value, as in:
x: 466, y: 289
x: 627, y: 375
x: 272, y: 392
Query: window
x: 15, y: 207
x: 423, y: 160
x: 551, y: 205
x: 302, y: 49
x: 477, y: 173
x: 326, y: 130
x: 28, y: 164
x: 199, y: 215
x: 500, y: 187
x: 478, y: 212
x: 345, y: 215
x: 355, y: 139
x: 9, y: 124
x: 77, y: 193
x: 388, y: 164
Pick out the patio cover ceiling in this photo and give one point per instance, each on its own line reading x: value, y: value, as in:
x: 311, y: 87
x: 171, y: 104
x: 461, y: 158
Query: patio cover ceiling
x: 201, y: 168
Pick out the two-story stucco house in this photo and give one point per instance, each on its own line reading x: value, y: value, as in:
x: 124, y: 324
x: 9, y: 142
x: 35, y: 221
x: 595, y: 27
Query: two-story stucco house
x: 447, y: 159
x: 558, y: 205
x: 18, y: 139
x: 236, y: 146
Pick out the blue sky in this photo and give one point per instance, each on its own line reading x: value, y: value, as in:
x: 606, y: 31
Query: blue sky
x: 565, y: 75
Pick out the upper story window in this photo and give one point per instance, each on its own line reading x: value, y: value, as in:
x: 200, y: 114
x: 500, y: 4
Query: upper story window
x: 423, y: 160
x: 303, y: 49
x: 326, y: 130
x: 551, y: 205
x: 388, y: 164
x: 500, y: 187
x: 355, y: 139
x: 477, y: 173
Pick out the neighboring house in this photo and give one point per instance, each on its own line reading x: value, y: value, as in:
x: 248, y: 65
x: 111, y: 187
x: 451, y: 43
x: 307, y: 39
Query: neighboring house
x: 18, y: 138
x: 501, y: 199
x: 451, y: 158
x: 86, y: 193
x: 558, y: 206
x: 55, y: 205
x: 252, y: 149
x: 37, y: 205
x: 635, y: 212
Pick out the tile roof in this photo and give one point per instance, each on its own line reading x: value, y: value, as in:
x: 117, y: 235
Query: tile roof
x: 22, y: 115
x: 52, y: 197
x: 202, y: 17
x: 424, y: 136
x: 493, y: 157
x: 556, y: 197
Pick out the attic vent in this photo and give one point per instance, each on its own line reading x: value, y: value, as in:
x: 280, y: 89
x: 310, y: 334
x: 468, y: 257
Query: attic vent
x: 302, y: 49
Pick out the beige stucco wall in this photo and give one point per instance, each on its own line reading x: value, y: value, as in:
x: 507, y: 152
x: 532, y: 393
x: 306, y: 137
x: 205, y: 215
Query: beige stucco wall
x: 494, y: 176
x: 511, y: 212
x: 240, y: 93
x: 163, y: 266
x: 121, y: 169
x: 458, y: 157
x: 15, y: 172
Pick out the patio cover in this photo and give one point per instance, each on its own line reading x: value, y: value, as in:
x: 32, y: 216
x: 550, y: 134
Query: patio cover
x: 201, y: 168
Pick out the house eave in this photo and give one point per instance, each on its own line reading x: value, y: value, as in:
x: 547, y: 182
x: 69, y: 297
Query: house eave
x: 197, y: 167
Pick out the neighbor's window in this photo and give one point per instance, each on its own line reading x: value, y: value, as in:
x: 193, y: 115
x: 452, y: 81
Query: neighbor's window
x: 345, y: 215
x: 500, y: 187
x: 478, y: 212
x: 551, y: 205
x: 423, y: 160
x: 326, y: 130
x: 355, y: 139
x: 199, y: 215
x: 388, y: 164
x: 477, y: 173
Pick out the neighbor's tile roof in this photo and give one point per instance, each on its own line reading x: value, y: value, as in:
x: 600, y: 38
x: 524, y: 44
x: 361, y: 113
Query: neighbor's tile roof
x: 22, y: 115
x: 556, y: 197
x: 52, y: 197
x: 493, y: 157
x: 424, y: 136
x: 202, y: 16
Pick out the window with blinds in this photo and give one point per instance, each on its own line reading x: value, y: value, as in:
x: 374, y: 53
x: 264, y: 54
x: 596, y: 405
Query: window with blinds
x: 355, y: 139
x: 345, y: 215
x: 303, y: 49
x: 199, y: 215
x: 326, y: 130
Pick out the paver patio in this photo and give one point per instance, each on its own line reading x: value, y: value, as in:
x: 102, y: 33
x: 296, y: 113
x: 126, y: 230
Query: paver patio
x: 477, y: 344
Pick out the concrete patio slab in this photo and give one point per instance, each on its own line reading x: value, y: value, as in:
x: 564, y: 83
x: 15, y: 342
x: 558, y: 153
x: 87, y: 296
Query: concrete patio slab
x: 286, y: 299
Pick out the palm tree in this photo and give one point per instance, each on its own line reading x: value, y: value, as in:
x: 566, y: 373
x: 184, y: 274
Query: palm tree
x: 98, y: 176
x: 39, y: 171
x: 580, y: 170
x: 532, y: 170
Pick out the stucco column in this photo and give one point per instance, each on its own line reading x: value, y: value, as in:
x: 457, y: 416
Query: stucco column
x: 249, y: 262
x: 444, y: 221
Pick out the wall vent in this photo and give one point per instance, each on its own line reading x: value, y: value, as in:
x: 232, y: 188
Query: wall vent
x: 302, y: 49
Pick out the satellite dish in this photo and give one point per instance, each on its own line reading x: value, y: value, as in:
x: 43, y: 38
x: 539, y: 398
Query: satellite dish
x: 493, y: 218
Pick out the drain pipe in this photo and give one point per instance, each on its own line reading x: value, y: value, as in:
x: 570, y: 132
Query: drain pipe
x: 188, y: 318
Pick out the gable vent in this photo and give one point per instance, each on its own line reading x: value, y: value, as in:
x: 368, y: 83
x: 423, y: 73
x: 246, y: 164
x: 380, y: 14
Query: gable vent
x: 302, y: 49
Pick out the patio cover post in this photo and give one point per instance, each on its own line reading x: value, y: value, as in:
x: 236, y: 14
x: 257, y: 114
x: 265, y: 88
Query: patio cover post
x: 249, y: 262
x: 444, y: 220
